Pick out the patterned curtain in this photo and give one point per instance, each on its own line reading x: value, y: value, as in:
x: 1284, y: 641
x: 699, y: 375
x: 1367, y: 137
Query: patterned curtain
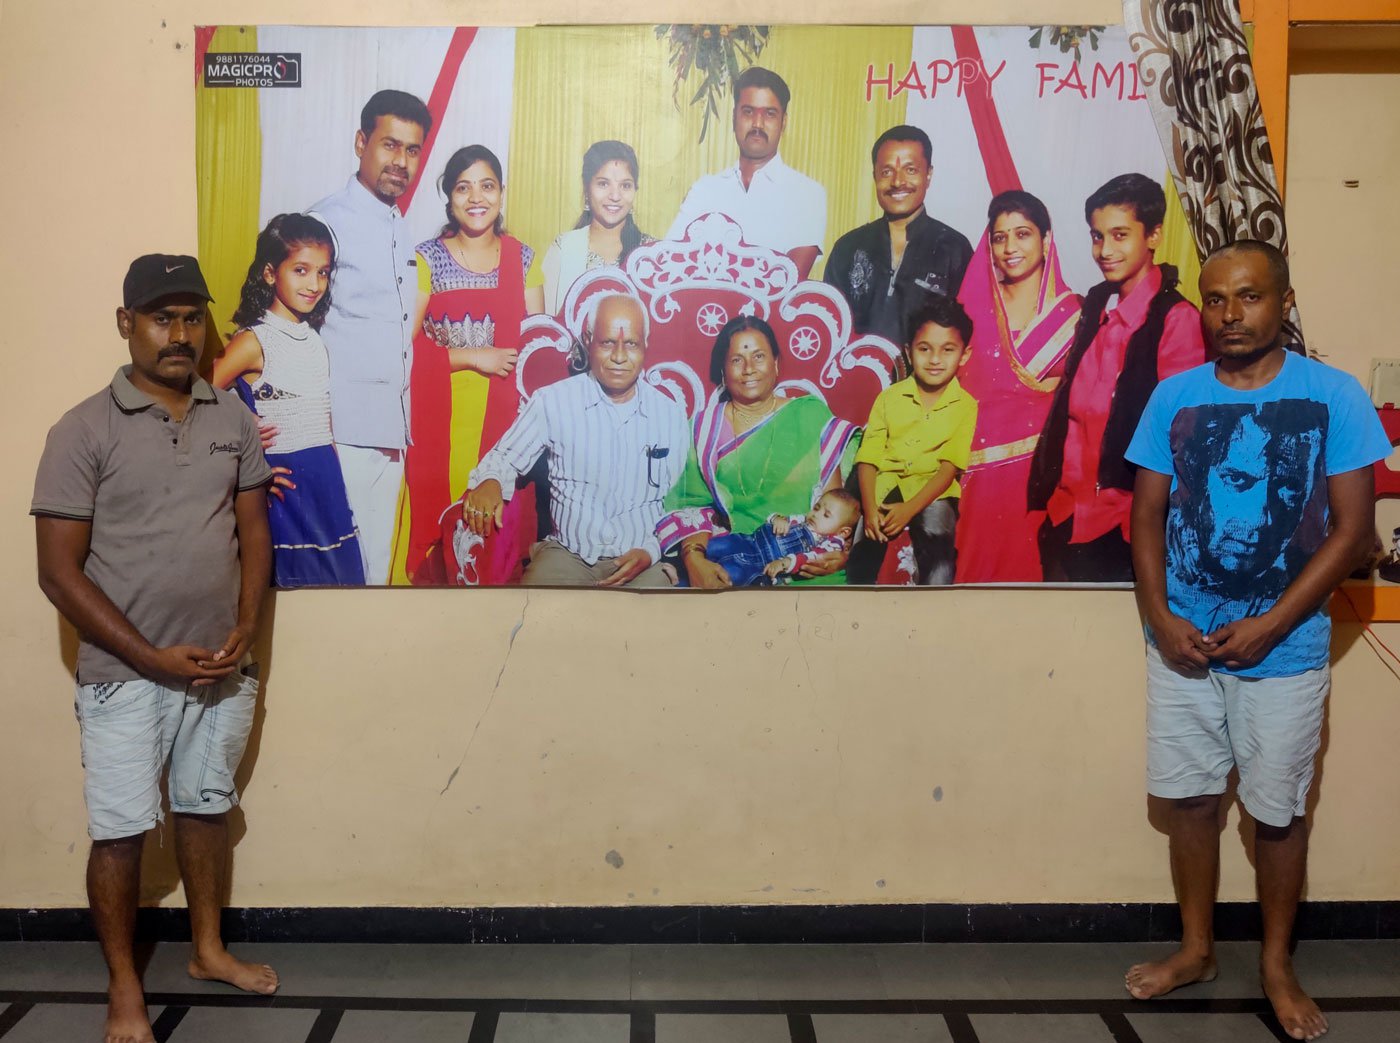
x: 1195, y: 68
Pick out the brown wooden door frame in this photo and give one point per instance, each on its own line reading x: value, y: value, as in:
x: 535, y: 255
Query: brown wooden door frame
x: 1273, y: 22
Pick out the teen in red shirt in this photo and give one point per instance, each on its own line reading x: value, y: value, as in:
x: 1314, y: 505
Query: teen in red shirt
x: 1136, y: 329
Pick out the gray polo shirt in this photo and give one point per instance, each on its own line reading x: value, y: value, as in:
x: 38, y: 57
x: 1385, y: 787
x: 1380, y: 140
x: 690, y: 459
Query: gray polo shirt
x: 160, y: 496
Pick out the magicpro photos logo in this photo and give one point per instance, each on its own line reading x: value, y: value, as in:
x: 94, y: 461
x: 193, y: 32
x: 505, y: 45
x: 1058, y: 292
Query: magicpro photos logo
x: 242, y: 69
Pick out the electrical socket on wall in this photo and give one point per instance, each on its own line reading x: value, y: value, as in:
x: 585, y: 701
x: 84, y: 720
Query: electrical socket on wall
x: 1385, y: 382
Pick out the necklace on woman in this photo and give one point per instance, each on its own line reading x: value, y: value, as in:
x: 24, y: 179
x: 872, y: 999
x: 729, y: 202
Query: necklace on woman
x: 745, y: 417
x: 743, y: 420
x: 459, y: 254
x: 614, y: 247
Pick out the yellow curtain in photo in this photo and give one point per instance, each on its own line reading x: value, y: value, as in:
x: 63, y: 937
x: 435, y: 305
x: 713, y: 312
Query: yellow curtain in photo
x: 228, y: 164
x: 605, y: 83
x: 1178, y: 247
x: 831, y: 127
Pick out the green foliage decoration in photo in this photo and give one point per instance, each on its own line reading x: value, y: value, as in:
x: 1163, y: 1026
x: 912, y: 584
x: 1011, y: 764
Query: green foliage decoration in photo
x: 717, y: 54
x: 1066, y: 37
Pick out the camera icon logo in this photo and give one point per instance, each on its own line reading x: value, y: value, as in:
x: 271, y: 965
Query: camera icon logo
x: 286, y: 70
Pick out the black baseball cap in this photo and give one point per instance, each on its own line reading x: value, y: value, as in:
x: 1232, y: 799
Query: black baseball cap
x: 159, y: 275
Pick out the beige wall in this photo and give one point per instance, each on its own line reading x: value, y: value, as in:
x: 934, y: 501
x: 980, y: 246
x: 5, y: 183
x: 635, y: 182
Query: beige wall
x: 759, y: 747
x: 1345, y: 76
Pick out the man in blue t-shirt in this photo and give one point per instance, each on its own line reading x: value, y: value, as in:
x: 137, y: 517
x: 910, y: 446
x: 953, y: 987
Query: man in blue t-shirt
x: 1254, y: 499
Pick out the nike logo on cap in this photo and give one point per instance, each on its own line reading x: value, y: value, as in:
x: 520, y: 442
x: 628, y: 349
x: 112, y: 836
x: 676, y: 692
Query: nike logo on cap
x: 170, y: 268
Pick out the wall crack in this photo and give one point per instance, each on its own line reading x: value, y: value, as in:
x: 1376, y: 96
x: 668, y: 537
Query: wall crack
x: 510, y: 645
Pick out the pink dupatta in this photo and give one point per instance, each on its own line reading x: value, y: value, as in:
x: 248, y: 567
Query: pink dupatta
x: 1003, y: 358
x: 1012, y: 374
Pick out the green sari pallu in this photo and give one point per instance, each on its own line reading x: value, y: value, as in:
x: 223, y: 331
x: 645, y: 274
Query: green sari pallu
x: 778, y: 466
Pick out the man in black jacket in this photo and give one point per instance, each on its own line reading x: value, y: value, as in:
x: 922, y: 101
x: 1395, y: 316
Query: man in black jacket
x: 888, y: 269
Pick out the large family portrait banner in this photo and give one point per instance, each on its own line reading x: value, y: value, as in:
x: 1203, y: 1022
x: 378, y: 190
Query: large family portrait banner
x: 691, y: 305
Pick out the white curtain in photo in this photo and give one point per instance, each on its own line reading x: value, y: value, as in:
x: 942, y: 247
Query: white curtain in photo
x: 309, y: 132
x: 1070, y: 126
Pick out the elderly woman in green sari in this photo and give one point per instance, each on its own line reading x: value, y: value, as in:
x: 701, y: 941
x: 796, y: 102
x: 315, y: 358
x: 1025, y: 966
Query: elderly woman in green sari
x: 756, y: 454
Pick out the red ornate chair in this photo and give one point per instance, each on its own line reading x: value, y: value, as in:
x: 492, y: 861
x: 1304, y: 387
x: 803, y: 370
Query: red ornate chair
x: 1388, y: 480
x: 690, y: 288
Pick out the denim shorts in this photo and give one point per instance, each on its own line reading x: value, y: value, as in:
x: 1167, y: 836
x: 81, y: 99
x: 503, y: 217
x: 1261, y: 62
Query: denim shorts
x: 131, y: 729
x: 1202, y: 723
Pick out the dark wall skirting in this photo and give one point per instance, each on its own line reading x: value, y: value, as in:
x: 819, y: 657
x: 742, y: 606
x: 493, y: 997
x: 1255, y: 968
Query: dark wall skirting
x: 711, y: 924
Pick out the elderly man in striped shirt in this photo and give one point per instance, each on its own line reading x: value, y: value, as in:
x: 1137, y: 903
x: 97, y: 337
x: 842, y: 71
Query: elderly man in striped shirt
x: 614, y: 447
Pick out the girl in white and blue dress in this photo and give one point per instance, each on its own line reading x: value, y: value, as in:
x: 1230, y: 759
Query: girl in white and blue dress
x: 279, y: 367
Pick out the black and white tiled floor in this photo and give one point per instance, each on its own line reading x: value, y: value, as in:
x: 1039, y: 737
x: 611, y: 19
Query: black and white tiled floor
x: 966, y: 993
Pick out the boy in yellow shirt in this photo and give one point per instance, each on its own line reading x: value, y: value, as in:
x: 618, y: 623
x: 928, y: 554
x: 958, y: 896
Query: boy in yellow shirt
x: 916, y: 443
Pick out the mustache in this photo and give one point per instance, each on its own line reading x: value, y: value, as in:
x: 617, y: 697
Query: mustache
x: 177, y: 351
x: 759, y: 133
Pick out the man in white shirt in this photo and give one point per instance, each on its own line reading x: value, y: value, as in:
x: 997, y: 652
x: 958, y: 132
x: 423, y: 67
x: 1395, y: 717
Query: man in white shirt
x: 368, y: 332
x: 774, y: 205
x: 614, y: 447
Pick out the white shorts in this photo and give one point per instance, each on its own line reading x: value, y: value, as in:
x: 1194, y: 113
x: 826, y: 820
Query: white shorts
x: 373, y: 478
x: 1201, y: 724
x: 130, y: 729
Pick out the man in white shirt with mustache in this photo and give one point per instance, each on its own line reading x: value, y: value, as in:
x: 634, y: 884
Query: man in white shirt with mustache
x: 774, y: 205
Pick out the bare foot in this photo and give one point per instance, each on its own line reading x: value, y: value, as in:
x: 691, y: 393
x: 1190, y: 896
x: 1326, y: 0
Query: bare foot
x: 1146, y: 980
x: 221, y: 966
x: 127, y: 1021
x: 1293, y: 1007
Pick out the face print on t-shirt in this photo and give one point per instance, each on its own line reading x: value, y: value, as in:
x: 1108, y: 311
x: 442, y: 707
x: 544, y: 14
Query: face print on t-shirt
x: 1250, y: 502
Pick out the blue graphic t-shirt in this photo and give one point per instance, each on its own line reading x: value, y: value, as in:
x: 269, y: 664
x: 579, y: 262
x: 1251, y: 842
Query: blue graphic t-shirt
x: 1248, y: 504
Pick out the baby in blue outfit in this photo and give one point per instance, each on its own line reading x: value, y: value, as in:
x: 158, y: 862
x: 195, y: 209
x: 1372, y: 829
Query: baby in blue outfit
x: 782, y: 544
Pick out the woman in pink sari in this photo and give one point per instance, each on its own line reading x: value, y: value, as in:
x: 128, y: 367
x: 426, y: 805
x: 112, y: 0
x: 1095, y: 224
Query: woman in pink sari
x: 1023, y: 324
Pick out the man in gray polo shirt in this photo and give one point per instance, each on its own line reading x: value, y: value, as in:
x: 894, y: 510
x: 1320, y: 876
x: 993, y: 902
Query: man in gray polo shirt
x: 151, y: 515
x: 368, y: 331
